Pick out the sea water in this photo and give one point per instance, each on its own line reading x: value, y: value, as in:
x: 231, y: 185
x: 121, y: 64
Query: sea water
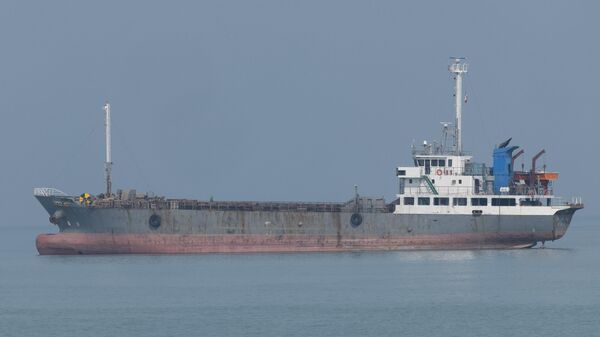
x: 532, y: 292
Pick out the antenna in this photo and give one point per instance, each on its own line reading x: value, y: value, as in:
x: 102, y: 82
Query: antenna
x: 458, y: 67
x: 108, y: 163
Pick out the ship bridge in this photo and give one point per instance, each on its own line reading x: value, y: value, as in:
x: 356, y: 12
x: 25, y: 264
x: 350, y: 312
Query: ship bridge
x: 441, y: 174
x: 441, y: 169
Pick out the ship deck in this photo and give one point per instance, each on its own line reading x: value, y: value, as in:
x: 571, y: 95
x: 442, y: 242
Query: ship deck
x: 365, y: 205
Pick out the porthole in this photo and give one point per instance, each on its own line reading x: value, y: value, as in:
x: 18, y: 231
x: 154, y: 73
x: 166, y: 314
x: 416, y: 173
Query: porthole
x: 355, y: 220
x: 154, y: 221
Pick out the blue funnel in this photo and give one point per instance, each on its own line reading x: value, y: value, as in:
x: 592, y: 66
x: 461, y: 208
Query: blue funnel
x: 503, y: 170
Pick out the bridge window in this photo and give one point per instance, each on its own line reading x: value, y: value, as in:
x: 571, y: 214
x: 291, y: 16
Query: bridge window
x: 503, y: 202
x: 401, y: 173
x: 441, y: 201
x: 434, y: 162
x: 421, y: 162
x: 409, y: 201
x: 530, y: 202
x: 479, y: 201
x: 459, y: 201
x: 423, y: 201
x: 442, y: 162
x: 449, y: 162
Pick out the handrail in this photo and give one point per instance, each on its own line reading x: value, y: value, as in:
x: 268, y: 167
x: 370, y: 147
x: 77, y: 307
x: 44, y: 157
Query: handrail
x: 48, y: 192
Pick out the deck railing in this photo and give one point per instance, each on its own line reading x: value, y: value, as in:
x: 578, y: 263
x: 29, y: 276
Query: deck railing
x: 48, y: 192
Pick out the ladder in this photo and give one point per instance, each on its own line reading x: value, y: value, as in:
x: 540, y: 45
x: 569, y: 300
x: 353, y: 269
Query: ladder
x: 429, y: 185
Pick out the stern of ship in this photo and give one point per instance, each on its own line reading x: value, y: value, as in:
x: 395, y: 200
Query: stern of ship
x: 562, y: 219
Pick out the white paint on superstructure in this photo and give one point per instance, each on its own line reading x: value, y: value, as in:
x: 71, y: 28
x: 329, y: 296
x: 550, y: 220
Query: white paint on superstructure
x: 449, y: 181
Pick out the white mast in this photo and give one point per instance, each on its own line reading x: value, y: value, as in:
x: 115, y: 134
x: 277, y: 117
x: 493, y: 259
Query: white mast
x: 458, y: 68
x: 108, y: 163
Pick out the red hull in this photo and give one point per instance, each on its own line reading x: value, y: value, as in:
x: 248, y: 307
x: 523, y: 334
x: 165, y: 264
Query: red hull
x: 86, y: 243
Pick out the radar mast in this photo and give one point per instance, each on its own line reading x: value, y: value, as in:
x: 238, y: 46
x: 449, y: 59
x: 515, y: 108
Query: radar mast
x: 108, y: 163
x: 458, y: 68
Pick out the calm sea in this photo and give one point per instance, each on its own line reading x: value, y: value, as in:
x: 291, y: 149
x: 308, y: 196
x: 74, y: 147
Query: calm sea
x: 536, y: 292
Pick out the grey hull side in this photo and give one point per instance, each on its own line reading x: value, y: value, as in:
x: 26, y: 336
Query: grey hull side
x: 486, y: 230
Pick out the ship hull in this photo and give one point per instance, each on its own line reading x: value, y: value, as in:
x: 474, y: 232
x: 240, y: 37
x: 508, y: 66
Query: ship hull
x: 95, y: 243
x: 84, y: 230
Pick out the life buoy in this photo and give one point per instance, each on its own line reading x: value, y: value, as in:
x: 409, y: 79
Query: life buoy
x: 439, y: 172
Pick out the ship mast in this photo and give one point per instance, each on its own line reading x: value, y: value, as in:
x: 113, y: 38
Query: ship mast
x: 458, y: 68
x: 108, y: 163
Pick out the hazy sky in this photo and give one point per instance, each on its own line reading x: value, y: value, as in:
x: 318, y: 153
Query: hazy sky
x: 286, y: 100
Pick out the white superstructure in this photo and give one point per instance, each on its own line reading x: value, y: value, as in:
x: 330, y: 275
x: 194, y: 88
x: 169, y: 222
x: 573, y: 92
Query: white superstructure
x: 444, y: 180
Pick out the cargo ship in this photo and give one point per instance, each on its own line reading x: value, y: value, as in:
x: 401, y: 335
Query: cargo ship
x: 445, y: 200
